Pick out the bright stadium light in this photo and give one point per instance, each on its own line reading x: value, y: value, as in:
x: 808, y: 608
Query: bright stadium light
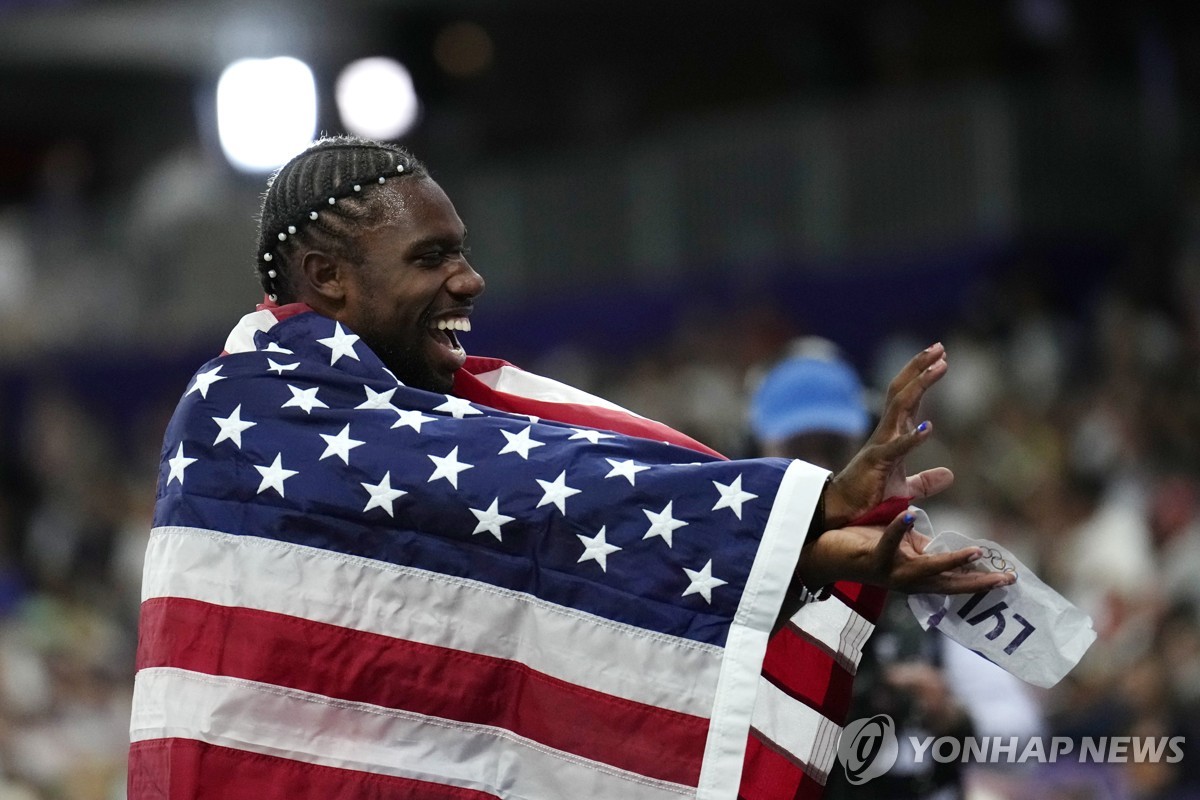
x: 266, y: 111
x: 376, y: 98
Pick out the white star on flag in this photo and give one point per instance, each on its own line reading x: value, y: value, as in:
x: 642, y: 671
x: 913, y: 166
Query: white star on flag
x: 279, y: 369
x: 179, y: 463
x: 457, y: 407
x: 662, y: 523
x: 732, y: 496
x: 393, y: 376
x: 205, y: 380
x: 274, y: 475
x: 382, y: 494
x: 339, y: 445
x: 625, y: 469
x: 412, y: 418
x: 232, y: 427
x: 273, y: 347
x: 702, y: 582
x: 595, y: 548
x: 490, y: 519
x: 448, y: 467
x: 305, y: 399
x: 592, y: 436
x: 376, y: 401
x: 340, y: 344
x: 556, y: 492
x: 519, y: 443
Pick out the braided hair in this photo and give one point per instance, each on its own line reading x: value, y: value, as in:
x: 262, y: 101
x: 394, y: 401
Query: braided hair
x: 321, y: 199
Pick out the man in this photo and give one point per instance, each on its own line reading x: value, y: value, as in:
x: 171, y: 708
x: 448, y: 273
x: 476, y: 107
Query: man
x: 381, y: 568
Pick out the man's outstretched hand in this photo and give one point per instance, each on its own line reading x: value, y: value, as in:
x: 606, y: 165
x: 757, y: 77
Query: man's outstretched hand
x: 893, y: 557
x: 877, y: 471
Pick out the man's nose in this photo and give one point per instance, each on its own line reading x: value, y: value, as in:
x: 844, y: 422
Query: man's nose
x: 466, y: 282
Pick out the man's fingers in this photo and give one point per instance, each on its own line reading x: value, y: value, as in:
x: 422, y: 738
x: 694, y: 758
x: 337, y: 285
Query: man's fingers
x: 968, y: 582
x: 902, y: 405
x: 915, y: 366
x: 944, y: 562
x: 930, y: 482
x: 891, y: 450
x: 893, y: 534
x: 896, y: 433
x: 946, y: 573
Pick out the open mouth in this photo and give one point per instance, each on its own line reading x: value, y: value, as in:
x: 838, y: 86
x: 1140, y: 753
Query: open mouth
x: 445, y: 331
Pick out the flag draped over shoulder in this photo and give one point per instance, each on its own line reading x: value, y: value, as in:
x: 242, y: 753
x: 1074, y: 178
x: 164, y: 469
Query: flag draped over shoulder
x: 357, y: 589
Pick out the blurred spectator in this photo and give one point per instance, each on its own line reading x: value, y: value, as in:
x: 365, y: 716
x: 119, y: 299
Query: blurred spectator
x: 811, y: 406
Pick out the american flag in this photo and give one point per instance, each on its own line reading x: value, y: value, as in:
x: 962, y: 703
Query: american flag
x: 358, y: 589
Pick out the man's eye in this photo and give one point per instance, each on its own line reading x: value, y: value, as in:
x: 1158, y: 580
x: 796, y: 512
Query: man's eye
x: 436, y: 257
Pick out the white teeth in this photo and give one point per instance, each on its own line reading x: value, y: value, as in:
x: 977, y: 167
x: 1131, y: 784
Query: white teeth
x: 455, y: 324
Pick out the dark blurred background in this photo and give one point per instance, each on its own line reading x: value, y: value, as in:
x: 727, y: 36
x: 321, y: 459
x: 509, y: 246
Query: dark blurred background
x: 662, y: 196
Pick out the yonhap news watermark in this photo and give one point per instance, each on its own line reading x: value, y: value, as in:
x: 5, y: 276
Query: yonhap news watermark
x: 869, y: 747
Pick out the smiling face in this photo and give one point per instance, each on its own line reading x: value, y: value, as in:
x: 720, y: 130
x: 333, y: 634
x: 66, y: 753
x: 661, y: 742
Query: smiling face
x: 412, y: 289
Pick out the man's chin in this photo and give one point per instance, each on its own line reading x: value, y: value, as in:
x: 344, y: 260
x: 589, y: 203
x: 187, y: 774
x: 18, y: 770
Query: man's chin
x: 426, y: 378
x: 431, y: 368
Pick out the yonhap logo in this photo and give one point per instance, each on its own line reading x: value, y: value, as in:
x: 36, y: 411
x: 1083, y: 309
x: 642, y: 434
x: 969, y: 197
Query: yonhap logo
x: 868, y: 748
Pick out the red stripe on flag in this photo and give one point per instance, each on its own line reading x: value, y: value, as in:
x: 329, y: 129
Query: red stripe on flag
x: 769, y: 775
x: 282, y: 312
x: 867, y: 601
x: 200, y: 771
x: 426, y: 679
x: 808, y: 673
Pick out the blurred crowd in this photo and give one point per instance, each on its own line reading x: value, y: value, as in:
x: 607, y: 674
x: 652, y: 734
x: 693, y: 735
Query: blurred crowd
x: 1073, y: 429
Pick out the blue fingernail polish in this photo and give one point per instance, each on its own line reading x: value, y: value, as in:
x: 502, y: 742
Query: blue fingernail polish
x: 908, y: 519
x: 922, y: 427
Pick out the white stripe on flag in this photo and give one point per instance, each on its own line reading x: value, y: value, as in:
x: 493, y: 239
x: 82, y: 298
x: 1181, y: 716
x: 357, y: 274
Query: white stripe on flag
x: 797, y: 728
x: 513, y: 380
x: 770, y: 576
x: 841, y: 629
x: 241, y: 338
x: 262, y: 718
x: 431, y: 608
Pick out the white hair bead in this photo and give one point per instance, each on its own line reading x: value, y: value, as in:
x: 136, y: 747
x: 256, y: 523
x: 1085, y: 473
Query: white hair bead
x: 332, y: 200
x: 357, y: 188
x: 282, y: 236
x: 381, y: 179
x: 312, y: 215
x: 267, y: 256
x: 292, y: 229
x: 273, y: 297
x: 272, y: 273
x: 399, y: 168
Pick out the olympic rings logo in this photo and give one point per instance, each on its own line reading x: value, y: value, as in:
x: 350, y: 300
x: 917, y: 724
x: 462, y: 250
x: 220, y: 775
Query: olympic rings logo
x: 999, y: 562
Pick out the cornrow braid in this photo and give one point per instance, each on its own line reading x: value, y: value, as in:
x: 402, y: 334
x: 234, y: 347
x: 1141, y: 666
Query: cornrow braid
x: 320, y: 200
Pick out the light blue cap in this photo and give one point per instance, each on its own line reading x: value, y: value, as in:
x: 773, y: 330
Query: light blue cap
x: 809, y: 395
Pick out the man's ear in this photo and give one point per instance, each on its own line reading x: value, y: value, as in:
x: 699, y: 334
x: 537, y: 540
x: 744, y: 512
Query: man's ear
x: 323, y: 280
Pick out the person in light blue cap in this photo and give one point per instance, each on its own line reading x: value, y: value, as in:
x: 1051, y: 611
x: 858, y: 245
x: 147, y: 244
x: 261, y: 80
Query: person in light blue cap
x: 811, y: 405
